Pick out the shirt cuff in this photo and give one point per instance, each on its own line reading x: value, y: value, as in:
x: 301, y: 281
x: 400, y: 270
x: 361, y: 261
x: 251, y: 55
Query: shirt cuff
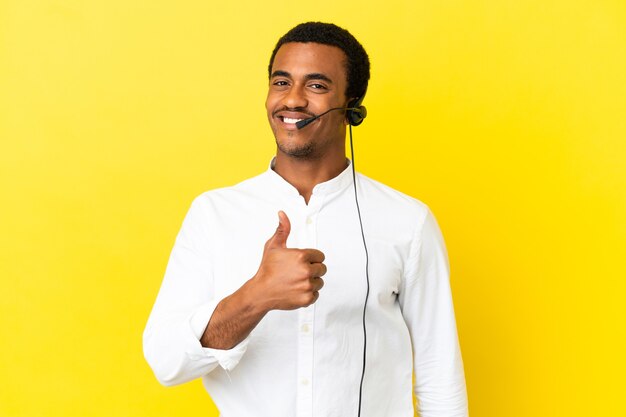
x: 227, y: 359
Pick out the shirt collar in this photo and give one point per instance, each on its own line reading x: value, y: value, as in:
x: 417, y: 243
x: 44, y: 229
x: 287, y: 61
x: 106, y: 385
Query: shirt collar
x: 338, y: 183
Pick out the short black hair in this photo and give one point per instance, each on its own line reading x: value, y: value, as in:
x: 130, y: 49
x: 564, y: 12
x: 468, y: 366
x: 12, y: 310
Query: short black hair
x: 358, y: 63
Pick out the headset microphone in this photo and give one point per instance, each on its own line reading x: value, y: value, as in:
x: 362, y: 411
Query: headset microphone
x: 355, y: 113
x: 310, y: 120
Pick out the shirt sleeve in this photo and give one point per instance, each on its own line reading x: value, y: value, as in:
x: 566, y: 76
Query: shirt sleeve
x: 183, y: 308
x: 426, y: 303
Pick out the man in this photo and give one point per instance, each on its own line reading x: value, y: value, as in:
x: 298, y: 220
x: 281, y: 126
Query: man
x: 242, y: 305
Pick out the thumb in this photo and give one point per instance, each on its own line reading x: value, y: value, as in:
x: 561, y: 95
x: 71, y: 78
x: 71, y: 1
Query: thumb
x: 279, y: 239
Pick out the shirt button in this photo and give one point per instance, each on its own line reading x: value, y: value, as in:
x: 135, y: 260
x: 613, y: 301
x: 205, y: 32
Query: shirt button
x: 305, y: 328
x: 304, y: 381
x: 309, y: 220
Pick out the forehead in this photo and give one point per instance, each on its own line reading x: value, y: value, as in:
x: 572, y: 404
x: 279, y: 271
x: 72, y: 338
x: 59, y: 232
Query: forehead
x: 300, y: 59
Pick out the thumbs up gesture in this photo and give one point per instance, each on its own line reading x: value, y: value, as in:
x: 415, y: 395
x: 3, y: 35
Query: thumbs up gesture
x: 288, y: 278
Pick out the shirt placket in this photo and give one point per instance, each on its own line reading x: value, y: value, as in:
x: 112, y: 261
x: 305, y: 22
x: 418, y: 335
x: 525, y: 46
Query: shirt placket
x: 306, y: 318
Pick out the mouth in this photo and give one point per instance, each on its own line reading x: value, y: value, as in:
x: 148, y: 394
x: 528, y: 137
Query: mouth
x: 288, y: 119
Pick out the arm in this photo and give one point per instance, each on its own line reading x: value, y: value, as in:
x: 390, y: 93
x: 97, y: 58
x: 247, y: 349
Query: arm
x: 178, y: 343
x: 426, y: 303
x: 287, y: 279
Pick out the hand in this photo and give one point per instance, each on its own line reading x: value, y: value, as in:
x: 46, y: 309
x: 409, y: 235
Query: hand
x: 288, y: 278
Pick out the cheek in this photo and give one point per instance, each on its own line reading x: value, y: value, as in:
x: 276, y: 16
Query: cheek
x: 267, y: 104
x: 337, y: 119
x: 270, y: 101
x: 268, y: 109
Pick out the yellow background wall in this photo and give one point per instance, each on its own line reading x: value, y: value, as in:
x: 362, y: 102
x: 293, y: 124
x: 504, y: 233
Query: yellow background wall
x: 507, y: 117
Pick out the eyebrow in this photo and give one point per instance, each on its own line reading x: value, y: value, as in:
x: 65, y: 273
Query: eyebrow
x: 318, y: 76
x: 308, y: 77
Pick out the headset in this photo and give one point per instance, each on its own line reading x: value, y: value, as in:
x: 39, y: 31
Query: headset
x: 355, y: 113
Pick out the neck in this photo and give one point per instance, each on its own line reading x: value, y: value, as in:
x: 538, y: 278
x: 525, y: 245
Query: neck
x: 305, y: 174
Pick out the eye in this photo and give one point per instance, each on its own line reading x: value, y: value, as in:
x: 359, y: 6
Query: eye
x: 280, y: 83
x: 318, y: 88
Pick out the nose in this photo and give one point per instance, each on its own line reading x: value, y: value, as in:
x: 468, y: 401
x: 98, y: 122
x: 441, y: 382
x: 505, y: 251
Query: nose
x: 295, y: 97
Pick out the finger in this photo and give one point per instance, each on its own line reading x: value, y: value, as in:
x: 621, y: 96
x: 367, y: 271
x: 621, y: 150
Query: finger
x: 313, y: 255
x: 316, y: 295
x: 318, y: 270
x: 279, y: 238
x: 317, y: 283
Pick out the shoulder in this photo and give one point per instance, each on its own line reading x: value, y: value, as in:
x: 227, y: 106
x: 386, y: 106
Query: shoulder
x: 397, y: 223
x: 228, y: 204
x: 390, y: 214
x: 382, y: 197
x: 245, y: 189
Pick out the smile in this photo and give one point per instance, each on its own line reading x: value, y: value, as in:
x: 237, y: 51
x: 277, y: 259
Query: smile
x: 290, y: 120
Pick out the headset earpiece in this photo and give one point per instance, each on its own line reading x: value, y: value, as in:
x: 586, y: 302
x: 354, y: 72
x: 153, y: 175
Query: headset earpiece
x: 356, y: 112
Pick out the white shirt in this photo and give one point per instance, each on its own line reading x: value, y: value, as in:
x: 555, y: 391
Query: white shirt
x: 307, y: 362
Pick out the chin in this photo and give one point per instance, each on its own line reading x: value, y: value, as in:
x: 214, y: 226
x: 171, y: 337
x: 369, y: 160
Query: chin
x: 302, y: 151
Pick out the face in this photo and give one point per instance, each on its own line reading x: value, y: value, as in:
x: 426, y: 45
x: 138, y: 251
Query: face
x: 307, y: 79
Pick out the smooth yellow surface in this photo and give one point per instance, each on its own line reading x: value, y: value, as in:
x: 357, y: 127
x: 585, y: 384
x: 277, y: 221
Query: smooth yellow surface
x: 507, y: 117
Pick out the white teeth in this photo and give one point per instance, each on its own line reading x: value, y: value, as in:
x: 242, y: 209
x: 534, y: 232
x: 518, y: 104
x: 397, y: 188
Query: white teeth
x: 288, y: 120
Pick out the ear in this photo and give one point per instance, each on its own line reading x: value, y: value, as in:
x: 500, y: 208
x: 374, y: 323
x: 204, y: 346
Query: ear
x: 356, y: 112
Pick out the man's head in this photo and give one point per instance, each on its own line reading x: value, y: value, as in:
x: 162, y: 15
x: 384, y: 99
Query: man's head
x: 357, y: 63
x: 314, y: 67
